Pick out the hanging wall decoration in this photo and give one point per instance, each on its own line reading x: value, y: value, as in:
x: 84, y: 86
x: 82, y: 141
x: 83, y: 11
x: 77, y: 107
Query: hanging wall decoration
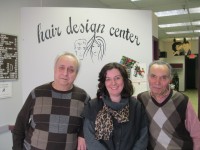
x: 137, y: 74
x: 181, y: 48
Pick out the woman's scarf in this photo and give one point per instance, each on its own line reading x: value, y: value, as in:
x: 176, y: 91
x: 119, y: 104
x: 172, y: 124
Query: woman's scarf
x: 104, y: 122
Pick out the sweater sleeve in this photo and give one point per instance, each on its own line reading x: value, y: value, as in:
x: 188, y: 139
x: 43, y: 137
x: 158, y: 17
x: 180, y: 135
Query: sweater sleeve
x: 21, y: 124
x: 89, y: 134
x: 192, y: 124
x: 142, y: 142
x: 80, y: 133
x: 86, y: 102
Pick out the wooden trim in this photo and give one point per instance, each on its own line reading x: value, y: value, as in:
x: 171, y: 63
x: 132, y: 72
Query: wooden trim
x: 199, y: 82
x: 177, y: 66
x: 156, y: 51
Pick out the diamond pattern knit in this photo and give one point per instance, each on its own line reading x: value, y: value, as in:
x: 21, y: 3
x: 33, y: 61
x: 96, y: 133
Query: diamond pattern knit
x: 167, y: 122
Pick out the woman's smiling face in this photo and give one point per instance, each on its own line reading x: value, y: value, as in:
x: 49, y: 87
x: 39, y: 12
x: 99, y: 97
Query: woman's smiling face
x: 114, y: 83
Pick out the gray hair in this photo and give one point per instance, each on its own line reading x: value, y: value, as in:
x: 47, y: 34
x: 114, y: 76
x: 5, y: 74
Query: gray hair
x: 160, y: 62
x: 68, y: 54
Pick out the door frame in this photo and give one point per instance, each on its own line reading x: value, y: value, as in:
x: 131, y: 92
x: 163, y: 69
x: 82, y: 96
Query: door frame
x: 199, y: 80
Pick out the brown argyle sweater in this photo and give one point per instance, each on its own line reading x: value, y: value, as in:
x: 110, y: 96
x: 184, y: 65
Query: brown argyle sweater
x: 50, y: 119
x: 167, y: 122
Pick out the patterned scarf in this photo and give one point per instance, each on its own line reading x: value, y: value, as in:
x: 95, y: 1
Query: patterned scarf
x: 104, y: 122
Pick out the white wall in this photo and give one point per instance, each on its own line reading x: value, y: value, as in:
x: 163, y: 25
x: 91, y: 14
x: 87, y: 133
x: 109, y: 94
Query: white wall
x: 115, y: 46
x: 155, y: 25
x: 9, y: 107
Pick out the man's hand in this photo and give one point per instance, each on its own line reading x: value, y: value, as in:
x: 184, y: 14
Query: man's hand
x: 81, y: 144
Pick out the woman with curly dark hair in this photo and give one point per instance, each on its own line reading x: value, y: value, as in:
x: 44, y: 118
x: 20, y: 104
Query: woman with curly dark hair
x: 115, y: 120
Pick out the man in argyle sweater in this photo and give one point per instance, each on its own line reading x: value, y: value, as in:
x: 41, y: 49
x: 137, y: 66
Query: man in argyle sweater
x: 51, y: 116
x: 173, y: 123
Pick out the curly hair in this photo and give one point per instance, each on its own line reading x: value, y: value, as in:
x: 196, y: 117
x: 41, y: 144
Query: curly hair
x: 128, y: 87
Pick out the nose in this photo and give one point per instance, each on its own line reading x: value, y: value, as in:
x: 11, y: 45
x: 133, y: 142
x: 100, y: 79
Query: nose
x: 113, y: 81
x: 158, y: 80
x: 65, y: 72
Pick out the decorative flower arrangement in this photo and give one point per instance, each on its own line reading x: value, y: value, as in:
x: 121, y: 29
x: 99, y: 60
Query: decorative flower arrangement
x: 127, y: 62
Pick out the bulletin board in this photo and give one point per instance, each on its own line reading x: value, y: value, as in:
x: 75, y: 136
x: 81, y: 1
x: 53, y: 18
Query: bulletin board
x: 105, y: 35
x: 8, y: 57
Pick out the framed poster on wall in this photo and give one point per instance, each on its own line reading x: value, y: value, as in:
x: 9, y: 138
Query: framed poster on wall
x: 8, y: 57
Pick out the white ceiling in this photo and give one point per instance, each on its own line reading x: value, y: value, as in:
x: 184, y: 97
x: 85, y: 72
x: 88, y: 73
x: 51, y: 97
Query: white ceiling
x: 154, y: 5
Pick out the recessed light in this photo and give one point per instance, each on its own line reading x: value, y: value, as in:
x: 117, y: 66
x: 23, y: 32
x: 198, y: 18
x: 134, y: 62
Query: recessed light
x: 194, y: 10
x: 171, y: 13
x: 174, y: 25
x: 134, y: 0
x: 179, y: 32
x: 179, y: 24
x: 177, y: 12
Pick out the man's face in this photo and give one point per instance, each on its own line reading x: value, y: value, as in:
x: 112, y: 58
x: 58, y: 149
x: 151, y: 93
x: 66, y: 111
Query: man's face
x: 65, y: 72
x: 159, y: 79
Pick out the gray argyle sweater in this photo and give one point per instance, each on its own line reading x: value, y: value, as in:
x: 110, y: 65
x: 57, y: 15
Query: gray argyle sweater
x: 50, y: 119
x: 167, y: 122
